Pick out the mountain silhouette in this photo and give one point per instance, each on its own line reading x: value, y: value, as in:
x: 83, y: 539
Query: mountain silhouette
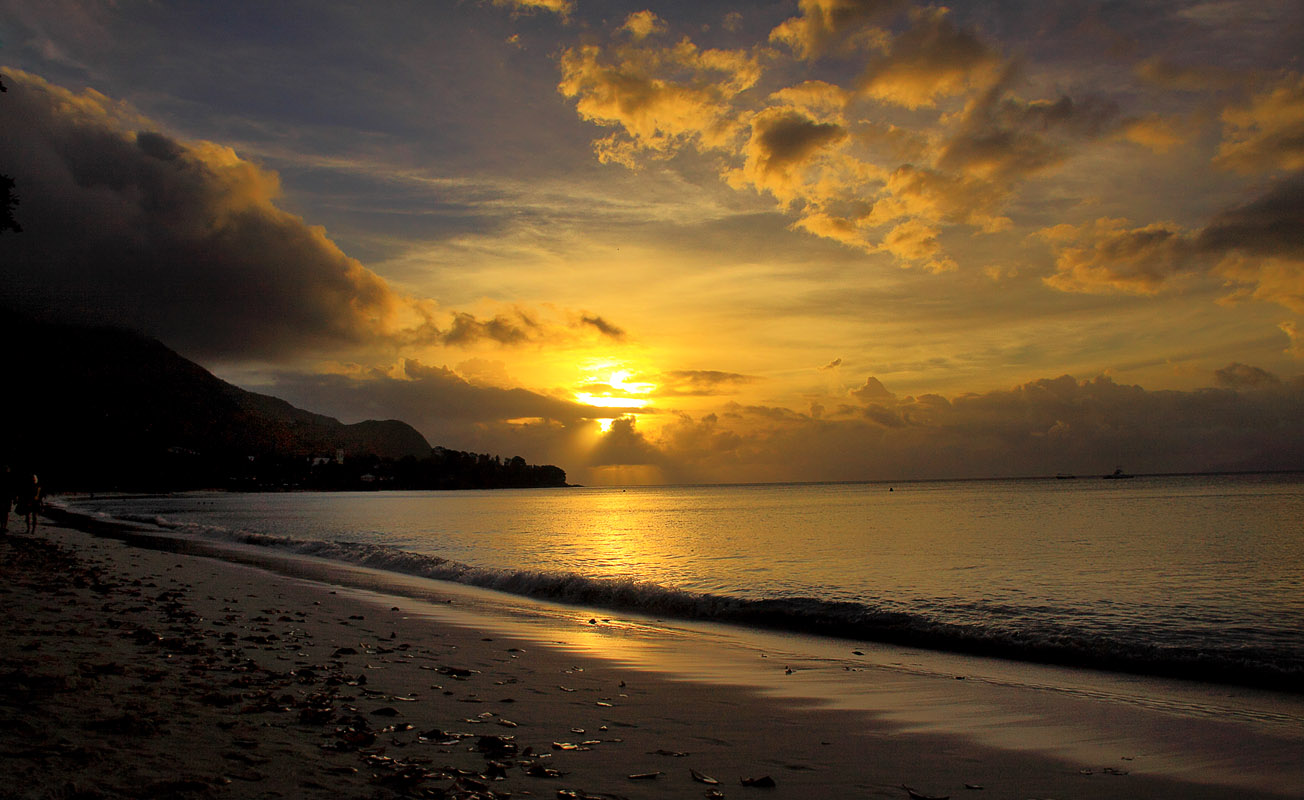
x: 102, y: 408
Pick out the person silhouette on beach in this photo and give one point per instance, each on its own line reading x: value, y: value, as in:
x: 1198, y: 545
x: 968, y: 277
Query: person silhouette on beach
x: 7, y: 487
x: 29, y: 502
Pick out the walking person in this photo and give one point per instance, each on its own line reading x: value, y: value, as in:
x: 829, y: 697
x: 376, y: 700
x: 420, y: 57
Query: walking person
x: 7, y: 487
x: 28, y: 502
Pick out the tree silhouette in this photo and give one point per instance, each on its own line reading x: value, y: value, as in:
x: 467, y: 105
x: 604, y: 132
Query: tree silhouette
x: 7, y: 220
x: 10, y: 202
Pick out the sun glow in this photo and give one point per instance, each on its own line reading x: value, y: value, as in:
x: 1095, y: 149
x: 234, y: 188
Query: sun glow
x: 603, y: 401
x: 605, y: 386
x: 612, y: 385
x: 619, y: 380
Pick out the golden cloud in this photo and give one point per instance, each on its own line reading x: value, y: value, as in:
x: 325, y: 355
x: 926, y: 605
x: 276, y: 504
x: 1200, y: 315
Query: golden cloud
x: 1276, y: 280
x: 931, y: 60
x: 873, y: 391
x: 861, y: 181
x: 661, y: 99
x: 839, y: 229
x: 933, y: 195
x: 642, y: 24
x: 562, y: 8
x: 914, y: 241
x: 1267, y: 132
x: 1159, y: 134
x: 1110, y: 257
x: 1295, y: 347
x: 782, y: 150
x: 1256, y: 248
x: 816, y: 98
x: 824, y: 25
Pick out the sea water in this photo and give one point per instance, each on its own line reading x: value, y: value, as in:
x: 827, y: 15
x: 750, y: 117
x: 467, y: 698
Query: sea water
x: 1196, y: 577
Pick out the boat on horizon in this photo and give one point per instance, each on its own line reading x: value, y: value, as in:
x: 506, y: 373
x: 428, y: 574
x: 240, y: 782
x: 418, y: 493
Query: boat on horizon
x: 1117, y: 474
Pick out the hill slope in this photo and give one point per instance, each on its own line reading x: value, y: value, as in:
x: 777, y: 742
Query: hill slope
x: 101, y: 408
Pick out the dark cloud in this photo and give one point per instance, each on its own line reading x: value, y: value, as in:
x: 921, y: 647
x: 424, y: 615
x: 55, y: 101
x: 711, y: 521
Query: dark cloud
x: 883, y: 416
x: 1039, y: 428
x: 1252, y: 421
x: 782, y: 145
x: 181, y: 240
x: 1244, y: 376
x: 1258, y: 246
x: 873, y: 391
x: 466, y: 329
x: 438, y: 402
x: 1004, y: 138
x: 1272, y: 224
x: 1198, y: 78
x: 835, y: 363
x: 604, y: 327
x: 623, y: 445
x: 184, y: 241
x: 1138, y: 260
x: 700, y: 383
x: 789, y: 138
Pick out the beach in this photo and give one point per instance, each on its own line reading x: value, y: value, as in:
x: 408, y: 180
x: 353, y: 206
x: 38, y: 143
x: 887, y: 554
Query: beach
x: 133, y: 672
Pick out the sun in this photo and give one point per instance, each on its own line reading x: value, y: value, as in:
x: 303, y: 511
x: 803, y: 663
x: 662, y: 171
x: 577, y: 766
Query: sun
x: 613, y: 385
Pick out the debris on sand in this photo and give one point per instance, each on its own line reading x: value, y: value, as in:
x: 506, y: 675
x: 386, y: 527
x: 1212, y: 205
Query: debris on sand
x: 763, y: 782
x: 700, y: 778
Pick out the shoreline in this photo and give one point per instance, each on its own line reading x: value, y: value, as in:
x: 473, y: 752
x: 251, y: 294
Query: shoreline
x: 133, y: 672
x: 1220, y: 663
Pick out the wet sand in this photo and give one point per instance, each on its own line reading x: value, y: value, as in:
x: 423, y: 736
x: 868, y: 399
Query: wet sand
x: 128, y: 672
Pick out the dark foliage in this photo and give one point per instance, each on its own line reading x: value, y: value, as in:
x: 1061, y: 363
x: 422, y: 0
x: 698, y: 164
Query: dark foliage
x: 8, y: 197
x: 8, y: 202
x: 106, y: 409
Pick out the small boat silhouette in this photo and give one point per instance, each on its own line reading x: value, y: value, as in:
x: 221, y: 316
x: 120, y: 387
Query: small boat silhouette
x: 1117, y: 474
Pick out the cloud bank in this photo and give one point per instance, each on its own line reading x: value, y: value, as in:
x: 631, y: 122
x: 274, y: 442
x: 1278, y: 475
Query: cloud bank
x: 1252, y: 420
x: 126, y: 225
x: 1257, y: 248
x: 934, y: 131
x: 183, y: 240
x: 821, y: 150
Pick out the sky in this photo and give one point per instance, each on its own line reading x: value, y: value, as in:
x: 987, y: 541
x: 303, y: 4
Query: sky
x: 692, y: 241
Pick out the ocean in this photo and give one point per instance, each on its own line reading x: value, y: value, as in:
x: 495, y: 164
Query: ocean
x: 1191, y: 577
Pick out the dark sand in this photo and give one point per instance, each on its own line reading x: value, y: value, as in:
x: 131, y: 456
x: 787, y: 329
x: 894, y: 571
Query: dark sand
x: 129, y: 672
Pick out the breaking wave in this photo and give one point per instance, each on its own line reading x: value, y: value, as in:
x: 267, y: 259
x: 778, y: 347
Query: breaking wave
x: 1001, y: 635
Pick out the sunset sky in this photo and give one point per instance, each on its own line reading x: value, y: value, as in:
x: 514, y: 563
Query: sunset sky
x: 692, y: 241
